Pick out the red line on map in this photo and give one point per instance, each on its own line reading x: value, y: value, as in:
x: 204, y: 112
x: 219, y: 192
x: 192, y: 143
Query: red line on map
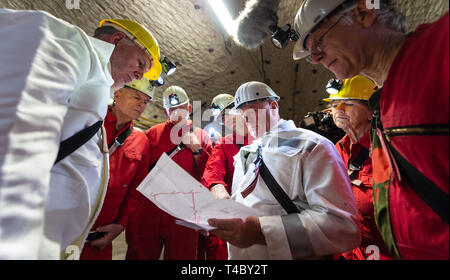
x: 192, y: 193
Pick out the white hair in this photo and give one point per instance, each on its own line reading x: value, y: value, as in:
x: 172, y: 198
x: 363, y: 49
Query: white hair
x: 390, y: 17
x: 387, y: 15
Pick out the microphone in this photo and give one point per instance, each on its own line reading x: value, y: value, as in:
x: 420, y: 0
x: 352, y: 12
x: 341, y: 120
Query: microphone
x: 255, y: 22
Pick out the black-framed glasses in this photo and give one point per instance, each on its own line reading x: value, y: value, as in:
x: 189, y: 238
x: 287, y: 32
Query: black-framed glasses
x: 318, y: 44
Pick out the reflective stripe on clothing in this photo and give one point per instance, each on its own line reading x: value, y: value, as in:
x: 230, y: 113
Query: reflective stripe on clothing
x: 55, y: 82
x: 422, y: 68
x: 311, y: 172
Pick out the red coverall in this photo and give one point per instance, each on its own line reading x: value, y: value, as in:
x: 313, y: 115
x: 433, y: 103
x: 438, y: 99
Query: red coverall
x: 416, y: 93
x: 128, y: 167
x: 151, y: 228
x: 362, y: 185
x: 220, y: 170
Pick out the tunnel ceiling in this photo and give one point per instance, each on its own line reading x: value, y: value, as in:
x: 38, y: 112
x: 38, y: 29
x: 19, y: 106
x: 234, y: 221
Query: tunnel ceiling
x: 211, y: 63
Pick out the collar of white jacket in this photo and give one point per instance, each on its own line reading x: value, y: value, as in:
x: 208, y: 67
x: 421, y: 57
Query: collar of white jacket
x: 282, y: 125
x: 104, y: 51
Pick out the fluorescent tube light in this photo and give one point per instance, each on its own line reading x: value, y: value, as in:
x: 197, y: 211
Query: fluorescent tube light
x: 224, y: 16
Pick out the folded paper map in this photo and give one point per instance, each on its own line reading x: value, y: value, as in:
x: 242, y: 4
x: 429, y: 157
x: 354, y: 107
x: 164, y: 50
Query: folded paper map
x: 177, y: 193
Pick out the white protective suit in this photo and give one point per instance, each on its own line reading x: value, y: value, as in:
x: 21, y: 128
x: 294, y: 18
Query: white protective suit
x: 311, y: 172
x: 54, y: 81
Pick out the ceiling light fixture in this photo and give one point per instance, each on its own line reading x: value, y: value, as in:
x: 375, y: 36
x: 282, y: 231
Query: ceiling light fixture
x: 224, y: 16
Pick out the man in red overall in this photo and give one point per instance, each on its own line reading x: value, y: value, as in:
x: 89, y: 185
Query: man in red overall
x: 151, y: 228
x: 129, y: 162
x: 219, y: 170
x: 410, y: 142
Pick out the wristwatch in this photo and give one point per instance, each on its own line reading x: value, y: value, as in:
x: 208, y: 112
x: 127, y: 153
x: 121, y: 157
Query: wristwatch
x: 199, y: 152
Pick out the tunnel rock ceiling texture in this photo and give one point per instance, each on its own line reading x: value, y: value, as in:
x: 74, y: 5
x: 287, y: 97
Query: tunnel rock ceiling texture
x: 210, y: 62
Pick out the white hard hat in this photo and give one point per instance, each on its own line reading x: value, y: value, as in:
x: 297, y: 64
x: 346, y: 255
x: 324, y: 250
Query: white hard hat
x: 174, y: 96
x: 251, y: 92
x: 310, y: 15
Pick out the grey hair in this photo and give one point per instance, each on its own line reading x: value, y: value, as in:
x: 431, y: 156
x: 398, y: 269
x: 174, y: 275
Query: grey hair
x: 390, y: 17
x: 109, y: 30
x: 387, y: 15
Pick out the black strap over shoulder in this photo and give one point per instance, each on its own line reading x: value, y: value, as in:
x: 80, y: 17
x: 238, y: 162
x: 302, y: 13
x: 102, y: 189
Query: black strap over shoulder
x: 177, y: 147
x: 433, y: 196
x: 121, y: 138
x: 180, y: 147
x: 429, y: 192
x: 357, y: 164
x: 276, y: 190
x: 72, y: 144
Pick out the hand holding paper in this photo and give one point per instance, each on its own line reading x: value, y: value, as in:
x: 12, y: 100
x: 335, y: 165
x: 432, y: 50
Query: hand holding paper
x: 176, y: 192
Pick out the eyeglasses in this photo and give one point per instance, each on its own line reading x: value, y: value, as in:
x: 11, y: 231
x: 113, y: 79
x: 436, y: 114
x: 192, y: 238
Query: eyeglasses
x: 317, y: 45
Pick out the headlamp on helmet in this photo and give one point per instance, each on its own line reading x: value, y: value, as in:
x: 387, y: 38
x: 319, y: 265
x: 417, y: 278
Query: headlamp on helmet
x: 215, y: 110
x: 174, y: 100
x: 158, y: 83
x: 280, y: 36
x: 168, y: 66
x: 334, y: 86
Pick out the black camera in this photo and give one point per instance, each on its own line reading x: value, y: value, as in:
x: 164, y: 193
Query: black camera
x: 322, y: 123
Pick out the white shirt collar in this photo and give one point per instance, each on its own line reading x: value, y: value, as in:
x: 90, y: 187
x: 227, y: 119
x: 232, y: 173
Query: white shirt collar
x: 104, y: 51
x: 282, y: 125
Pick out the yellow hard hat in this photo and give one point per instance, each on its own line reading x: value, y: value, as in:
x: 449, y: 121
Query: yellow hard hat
x: 145, y: 86
x: 359, y: 88
x: 143, y: 38
x: 174, y: 96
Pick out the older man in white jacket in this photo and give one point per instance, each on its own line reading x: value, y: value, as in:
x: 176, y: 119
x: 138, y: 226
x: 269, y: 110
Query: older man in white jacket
x: 56, y: 81
x: 308, y: 169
